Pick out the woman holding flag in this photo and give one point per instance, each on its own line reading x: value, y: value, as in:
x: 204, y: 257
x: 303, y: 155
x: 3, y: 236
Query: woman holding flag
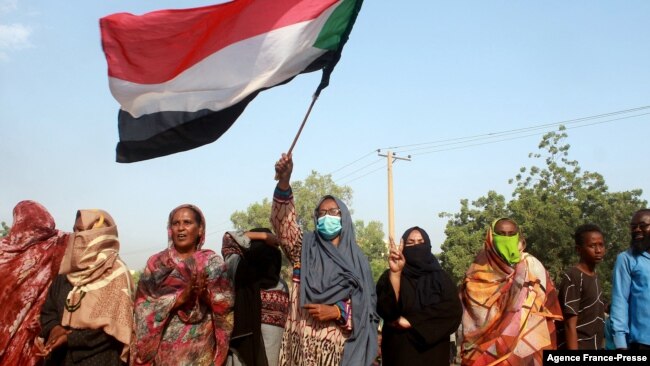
x: 332, y: 318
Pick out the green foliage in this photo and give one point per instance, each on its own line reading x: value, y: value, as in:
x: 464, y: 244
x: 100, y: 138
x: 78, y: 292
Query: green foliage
x: 256, y: 215
x: 548, y: 202
x: 136, y: 276
x: 371, y: 240
x: 307, y: 194
x: 465, y: 232
x: 4, y: 229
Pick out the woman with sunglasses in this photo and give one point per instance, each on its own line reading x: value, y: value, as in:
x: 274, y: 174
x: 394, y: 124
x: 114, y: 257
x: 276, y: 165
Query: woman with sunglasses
x: 332, y: 318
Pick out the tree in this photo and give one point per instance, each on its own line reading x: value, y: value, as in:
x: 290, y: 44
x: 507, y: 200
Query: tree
x: 136, y: 276
x: 371, y: 240
x: 4, y: 229
x: 465, y: 232
x: 307, y: 194
x: 256, y: 215
x: 548, y: 202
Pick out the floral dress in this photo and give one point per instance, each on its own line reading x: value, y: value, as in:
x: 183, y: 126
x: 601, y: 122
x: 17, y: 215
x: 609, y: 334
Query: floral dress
x: 195, y: 334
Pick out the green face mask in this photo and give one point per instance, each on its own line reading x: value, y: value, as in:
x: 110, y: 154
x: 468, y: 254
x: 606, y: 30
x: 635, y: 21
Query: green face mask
x: 508, y: 247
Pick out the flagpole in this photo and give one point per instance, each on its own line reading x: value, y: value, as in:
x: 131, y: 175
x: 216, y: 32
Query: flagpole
x: 304, y: 120
x: 302, y: 125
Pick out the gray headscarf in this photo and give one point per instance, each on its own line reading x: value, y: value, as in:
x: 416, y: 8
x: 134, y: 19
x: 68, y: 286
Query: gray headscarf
x: 330, y: 274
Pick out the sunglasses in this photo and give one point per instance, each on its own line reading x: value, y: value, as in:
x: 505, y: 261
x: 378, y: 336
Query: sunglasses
x: 640, y: 225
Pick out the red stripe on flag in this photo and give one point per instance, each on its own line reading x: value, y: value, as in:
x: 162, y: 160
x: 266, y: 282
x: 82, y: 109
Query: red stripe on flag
x: 157, y: 46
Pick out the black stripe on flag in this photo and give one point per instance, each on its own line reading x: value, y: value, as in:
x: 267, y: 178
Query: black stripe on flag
x: 164, y: 133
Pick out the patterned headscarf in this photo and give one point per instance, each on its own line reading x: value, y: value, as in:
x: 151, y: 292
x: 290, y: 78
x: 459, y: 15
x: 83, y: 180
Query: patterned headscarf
x: 164, y: 279
x: 102, y: 286
x: 505, y: 306
x: 29, y: 261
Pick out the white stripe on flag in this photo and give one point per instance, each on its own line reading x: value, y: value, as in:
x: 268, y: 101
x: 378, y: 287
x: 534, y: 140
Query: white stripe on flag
x: 229, y: 75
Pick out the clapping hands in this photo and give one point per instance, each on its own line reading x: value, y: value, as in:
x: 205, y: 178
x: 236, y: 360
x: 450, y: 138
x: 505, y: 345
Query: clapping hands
x: 197, y: 288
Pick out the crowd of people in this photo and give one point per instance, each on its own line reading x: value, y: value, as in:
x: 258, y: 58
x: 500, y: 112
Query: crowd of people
x: 69, y: 299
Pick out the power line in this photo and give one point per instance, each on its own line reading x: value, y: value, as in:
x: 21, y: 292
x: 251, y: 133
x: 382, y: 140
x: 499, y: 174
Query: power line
x: 347, y: 165
x: 372, y: 171
x: 520, y: 130
x: 489, y: 138
x: 361, y: 176
x: 359, y: 169
x: 523, y: 136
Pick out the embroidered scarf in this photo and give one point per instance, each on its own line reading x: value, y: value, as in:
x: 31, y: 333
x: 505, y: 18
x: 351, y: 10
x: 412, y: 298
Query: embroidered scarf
x: 102, y: 286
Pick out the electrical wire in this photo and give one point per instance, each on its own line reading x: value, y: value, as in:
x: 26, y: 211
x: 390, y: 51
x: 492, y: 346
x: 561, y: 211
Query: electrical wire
x: 361, y: 176
x: 487, y: 138
x: 518, y: 130
x: 524, y: 136
x: 347, y: 165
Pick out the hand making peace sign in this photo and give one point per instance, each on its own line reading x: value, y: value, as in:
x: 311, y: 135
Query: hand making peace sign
x: 396, y: 259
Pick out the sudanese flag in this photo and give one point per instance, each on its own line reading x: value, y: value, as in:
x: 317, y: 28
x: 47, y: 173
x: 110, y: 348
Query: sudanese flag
x: 182, y: 77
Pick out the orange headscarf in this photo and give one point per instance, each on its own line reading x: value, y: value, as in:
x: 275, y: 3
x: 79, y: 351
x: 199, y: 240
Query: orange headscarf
x: 505, y: 306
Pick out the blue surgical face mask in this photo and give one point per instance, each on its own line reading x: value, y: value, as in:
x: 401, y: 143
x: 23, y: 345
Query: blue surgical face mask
x: 329, y: 227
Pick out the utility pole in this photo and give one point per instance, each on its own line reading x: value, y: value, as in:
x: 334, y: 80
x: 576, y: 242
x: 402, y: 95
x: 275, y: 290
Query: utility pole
x: 390, y: 157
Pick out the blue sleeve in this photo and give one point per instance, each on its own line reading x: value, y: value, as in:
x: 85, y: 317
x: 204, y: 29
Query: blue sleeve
x: 345, y: 314
x: 620, y: 300
x: 281, y: 195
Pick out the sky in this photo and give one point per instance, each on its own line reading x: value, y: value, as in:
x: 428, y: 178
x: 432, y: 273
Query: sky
x: 411, y: 73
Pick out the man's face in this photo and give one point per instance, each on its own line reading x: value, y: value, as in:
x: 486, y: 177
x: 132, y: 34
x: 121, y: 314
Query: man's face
x: 640, y: 226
